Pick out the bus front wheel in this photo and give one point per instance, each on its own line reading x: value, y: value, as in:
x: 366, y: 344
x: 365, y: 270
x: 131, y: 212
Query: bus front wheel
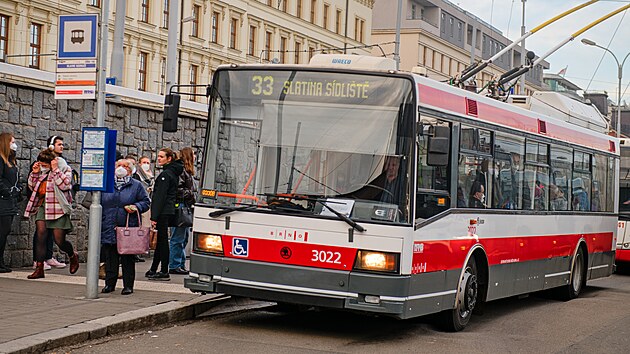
x: 456, y: 319
x: 577, y: 280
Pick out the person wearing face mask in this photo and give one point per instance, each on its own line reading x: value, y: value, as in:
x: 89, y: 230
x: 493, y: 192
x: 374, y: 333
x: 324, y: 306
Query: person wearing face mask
x: 477, y: 196
x: 9, y: 190
x: 127, y: 200
x: 148, y: 180
x: 50, y: 203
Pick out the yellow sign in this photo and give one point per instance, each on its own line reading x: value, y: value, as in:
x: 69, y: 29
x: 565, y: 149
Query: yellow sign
x: 209, y: 193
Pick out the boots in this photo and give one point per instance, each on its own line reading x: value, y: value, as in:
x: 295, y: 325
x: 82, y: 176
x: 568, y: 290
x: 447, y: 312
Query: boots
x: 39, y: 271
x: 74, y: 263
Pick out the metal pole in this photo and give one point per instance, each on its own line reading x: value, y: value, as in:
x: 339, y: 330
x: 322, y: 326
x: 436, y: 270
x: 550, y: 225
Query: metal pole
x: 473, y: 44
x: 116, y: 68
x: 522, y: 83
x: 345, y: 35
x: 171, y: 54
x: 96, y: 210
x: 619, y: 75
x: 397, y: 48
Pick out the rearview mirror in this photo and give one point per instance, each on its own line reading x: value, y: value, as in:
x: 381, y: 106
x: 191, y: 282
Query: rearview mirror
x: 438, y: 146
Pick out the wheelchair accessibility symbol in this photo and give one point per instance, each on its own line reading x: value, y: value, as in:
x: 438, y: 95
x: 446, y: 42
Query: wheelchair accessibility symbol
x: 240, y: 247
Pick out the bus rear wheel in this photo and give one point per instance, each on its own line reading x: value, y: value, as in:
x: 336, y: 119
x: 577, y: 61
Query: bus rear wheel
x: 456, y: 319
x: 577, y: 280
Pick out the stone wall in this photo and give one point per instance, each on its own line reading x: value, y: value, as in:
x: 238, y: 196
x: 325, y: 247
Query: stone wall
x: 33, y: 115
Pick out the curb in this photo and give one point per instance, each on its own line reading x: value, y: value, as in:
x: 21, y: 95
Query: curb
x: 171, y: 311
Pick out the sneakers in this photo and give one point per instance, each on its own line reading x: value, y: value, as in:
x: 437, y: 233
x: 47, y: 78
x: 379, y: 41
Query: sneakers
x: 160, y: 276
x: 46, y: 266
x: 55, y: 263
x: 149, y: 273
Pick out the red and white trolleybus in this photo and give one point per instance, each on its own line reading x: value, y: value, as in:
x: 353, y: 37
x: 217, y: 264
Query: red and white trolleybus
x: 337, y: 185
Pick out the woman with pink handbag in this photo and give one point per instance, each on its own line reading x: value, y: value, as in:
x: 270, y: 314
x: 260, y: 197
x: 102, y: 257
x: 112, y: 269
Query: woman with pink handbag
x: 122, y: 209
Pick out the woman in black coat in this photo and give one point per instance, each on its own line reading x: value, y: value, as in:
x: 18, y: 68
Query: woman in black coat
x: 163, y: 209
x: 9, y: 190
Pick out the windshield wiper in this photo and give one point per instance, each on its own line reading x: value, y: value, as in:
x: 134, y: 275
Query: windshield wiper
x: 341, y: 216
x: 218, y: 213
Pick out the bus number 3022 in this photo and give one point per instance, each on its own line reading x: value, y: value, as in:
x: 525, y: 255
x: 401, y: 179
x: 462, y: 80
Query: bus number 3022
x: 326, y: 257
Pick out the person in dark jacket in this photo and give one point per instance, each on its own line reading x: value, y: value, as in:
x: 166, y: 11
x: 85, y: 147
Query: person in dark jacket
x: 128, y: 200
x: 477, y: 196
x: 163, y: 209
x: 185, y: 199
x: 9, y: 189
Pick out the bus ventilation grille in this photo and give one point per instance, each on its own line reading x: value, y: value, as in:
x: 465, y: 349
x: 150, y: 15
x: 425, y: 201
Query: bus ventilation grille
x: 471, y: 107
x: 542, y: 127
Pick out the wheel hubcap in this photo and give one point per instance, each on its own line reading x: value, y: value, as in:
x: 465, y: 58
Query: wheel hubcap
x: 467, y: 294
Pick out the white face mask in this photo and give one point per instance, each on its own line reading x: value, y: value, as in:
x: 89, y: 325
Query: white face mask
x: 13, y: 146
x: 133, y: 169
x: 483, y: 198
x: 145, y: 167
x: 44, y: 169
x: 121, y: 172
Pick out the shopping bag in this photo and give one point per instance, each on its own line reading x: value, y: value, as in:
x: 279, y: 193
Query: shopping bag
x: 153, y: 236
x: 132, y: 240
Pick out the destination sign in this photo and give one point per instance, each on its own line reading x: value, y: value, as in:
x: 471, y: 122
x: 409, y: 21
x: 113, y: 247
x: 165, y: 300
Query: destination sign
x: 312, y: 86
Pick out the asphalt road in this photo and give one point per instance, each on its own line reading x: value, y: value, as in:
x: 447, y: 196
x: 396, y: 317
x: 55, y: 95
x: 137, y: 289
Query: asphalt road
x: 596, y: 322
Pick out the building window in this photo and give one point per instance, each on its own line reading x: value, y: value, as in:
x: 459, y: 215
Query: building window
x: 142, y: 72
x: 298, y: 52
x: 298, y: 9
x: 4, y: 37
x: 167, y: 3
x: 268, y: 47
x: 338, y: 22
x: 233, y: 31
x: 35, y: 45
x: 311, y: 52
x: 284, y: 5
x: 144, y: 13
x: 359, y: 25
x: 195, y: 21
x: 96, y: 3
x: 313, y: 10
x: 269, y: 2
x: 193, y: 80
x: 252, y: 41
x: 325, y: 15
x: 214, y: 36
x: 163, y: 76
x: 283, y: 50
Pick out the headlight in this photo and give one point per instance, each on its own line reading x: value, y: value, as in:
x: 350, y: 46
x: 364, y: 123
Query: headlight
x: 377, y: 261
x: 208, y: 243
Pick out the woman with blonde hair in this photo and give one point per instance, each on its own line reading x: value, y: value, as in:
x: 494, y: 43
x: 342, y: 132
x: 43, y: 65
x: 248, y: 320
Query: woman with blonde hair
x: 185, y: 199
x: 50, y: 202
x: 9, y: 190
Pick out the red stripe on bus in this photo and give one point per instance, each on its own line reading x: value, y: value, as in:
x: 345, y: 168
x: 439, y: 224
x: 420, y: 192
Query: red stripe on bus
x: 294, y: 253
x: 447, y: 255
x: 622, y: 255
x: 489, y: 113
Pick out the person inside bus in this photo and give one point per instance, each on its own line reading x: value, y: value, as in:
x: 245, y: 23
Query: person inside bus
x: 477, y: 196
x: 557, y: 198
x: 580, y: 196
x: 387, y: 187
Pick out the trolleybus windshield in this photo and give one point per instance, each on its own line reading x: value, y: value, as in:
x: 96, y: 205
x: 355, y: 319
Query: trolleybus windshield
x: 297, y: 139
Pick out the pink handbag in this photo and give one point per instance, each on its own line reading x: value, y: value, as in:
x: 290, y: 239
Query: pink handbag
x: 132, y: 240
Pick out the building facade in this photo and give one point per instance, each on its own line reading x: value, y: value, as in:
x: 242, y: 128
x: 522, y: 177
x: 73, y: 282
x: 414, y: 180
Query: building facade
x: 211, y: 33
x: 445, y: 39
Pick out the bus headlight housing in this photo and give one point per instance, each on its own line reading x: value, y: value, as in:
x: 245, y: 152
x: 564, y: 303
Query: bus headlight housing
x: 376, y: 261
x: 208, y: 243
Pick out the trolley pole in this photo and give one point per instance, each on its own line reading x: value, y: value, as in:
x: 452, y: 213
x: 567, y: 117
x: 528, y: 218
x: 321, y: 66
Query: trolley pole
x: 397, y: 45
x: 96, y: 210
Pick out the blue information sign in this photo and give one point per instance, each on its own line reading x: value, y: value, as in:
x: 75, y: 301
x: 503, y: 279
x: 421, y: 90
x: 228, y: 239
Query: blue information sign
x: 98, y: 159
x: 77, y: 36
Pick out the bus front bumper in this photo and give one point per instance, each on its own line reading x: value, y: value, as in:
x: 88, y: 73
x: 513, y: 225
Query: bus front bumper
x: 375, y: 293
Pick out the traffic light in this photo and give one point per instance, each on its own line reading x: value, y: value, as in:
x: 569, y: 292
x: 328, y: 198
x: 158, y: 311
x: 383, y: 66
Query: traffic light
x: 171, y: 112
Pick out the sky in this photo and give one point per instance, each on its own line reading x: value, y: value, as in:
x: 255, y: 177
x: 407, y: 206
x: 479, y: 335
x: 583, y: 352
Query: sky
x: 589, y: 67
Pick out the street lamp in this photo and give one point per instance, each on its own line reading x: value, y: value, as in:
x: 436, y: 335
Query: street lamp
x: 619, y: 76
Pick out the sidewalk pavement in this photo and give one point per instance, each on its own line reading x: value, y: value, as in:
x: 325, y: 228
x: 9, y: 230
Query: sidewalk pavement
x: 44, y: 314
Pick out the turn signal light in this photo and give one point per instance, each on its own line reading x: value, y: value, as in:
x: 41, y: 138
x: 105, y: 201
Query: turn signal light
x: 208, y: 243
x: 377, y: 261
